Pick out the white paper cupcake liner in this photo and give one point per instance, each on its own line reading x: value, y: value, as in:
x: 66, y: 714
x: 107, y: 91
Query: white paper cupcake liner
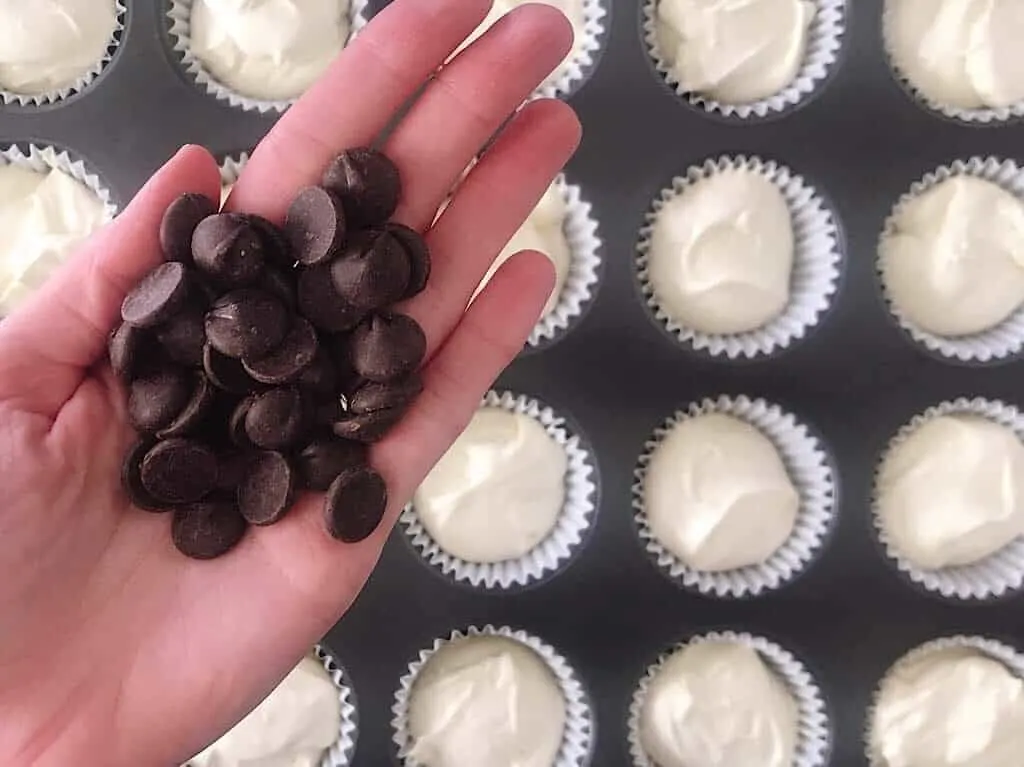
x: 553, y: 553
x: 816, y: 263
x: 84, y: 80
x: 995, y: 344
x: 809, y: 469
x: 43, y: 158
x: 340, y: 753
x: 231, y: 170
x: 571, y: 74
x: 578, y: 738
x: 814, y: 733
x: 824, y: 40
x: 994, y: 576
x: 180, y: 20
x: 997, y: 651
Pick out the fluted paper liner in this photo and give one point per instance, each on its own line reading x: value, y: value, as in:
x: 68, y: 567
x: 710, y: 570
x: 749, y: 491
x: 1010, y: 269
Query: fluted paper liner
x: 816, y: 263
x: 997, y: 651
x: 1005, y: 339
x: 553, y: 553
x: 572, y: 74
x: 179, y: 17
x: 995, y: 575
x: 824, y: 40
x: 43, y: 158
x: 809, y: 470
x: 231, y: 168
x: 578, y: 737
x: 84, y: 80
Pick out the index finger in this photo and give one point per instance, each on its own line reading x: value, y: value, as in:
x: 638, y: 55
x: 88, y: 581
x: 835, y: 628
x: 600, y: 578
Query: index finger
x: 354, y: 101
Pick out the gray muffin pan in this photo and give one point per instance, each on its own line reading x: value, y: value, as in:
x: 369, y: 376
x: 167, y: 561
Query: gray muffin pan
x: 856, y: 378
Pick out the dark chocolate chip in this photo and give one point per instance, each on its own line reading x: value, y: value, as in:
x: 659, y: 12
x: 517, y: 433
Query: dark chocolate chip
x: 183, y: 336
x: 289, y: 359
x: 329, y: 411
x: 322, y: 460
x: 418, y: 254
x: 367, y: 427
x: 246, y: 323
x: 126, y: 350
x: 227, y: 373
x: 320, y: 303
x: 179, y: 471
x: 372, y: 272
x: 131, y: 479
x: 387, y: 346
x: 355, y: 504
x: 156, y: 400
x: 237, y: 434
x: 275, y: 244
x: 276, y: 419
x: 368, y: 184
x: 315, y: 226
x: 179, y: 222
x: 158, y: 297
x: 231, y: 470
x: 207, y: 530
x: 193, y: 415
x: 280, y: 286
x: 228, y: 249
x: 268, y: 490
x: 319, y: 378
x: 372, y: 396
x: 348, y: 380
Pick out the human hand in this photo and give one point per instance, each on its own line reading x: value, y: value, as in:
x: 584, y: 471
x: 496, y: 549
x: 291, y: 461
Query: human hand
x: 114, y: 648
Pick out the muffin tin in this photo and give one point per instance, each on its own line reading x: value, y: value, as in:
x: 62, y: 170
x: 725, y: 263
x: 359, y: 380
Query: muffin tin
x: 855, y: 378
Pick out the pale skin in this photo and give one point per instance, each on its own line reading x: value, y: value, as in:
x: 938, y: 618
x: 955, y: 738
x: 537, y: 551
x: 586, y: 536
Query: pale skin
x: 114, y: 648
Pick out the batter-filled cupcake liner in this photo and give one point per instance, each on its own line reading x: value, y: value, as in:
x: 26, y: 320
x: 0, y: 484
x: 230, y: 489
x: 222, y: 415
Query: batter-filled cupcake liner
x: 992, y: 577
x: 84, y: 80
x: 995, y: 344
x: 340, y: 753
x: 981, y: 115
x: 553, y: 553
x: 180, y: 20
x: 817, y: 259
x: 578, y: 736
x: 824, y: 41
x: 230, y: 171
x: 43, y: 158
x: 572, y: 74
x: 997, y: 651
x: 810, y: 471
x: 813, y: 730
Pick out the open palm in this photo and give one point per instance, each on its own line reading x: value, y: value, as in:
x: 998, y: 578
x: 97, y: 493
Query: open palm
x: 114, y: 648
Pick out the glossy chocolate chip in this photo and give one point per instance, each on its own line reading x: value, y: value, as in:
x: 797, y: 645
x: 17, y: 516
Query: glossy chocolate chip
x: 276, y: 419
x: 372, y: 272
x: 179, y: 471
x: 183, y: 336
x: 367, y: 427
x: 237, y: 433
x: 338, y: 344
x: 131, y: 479
x: 179, y: 223
x: 246, y: 323
x: 226, y: 373
x: 315, y: 226
x: 279, y: 286
x: 386, y: 347
x: 193, y: 415
x: 207, y: 530
x: 372, y: 396
x: 156, y: 400
x: 319, y: 378
x: 367, y: 183
x: 158, y: 297
x: 268, y: 489
x: 417, y: 253
x: 320, y: 303
x: 127, y: 350
x: 229, y: 250
x: 276, y: 248
x: 293, y: 355
x: 355, y: 504
x: 321, y: 461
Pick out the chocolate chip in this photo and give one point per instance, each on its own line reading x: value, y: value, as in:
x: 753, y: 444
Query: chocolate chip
x: 289, y: 359
x: 179, y: 222
x: 315, y: 226
x: 322, y: 460
x: 126, y: 351
x: 179, y: 471
x: 226, y: 373
x: 387, y: 346
x: 156, y: 400
x: 355, y: 504
x: 156, y: 299
x: 367, y: 427
x: 320, y: 303
x: 268, y: 489
x: 329, y: 411
x: 275, y: 245
x: 372, y: 272
x: 192, y: 416
x: 229, y: 250
x: 319, y: 378
x: 338, y: 345
x: 276, y: 419
x: 237, y: 433
x: 231, y: 470
x: 372, y: 396
x: 278, y: 285
x: 183, y: 336
x: 368, y: 184
x: 207, y: 530
x: 246, y: 323
x: 131, y: 480
x: 418, y: 254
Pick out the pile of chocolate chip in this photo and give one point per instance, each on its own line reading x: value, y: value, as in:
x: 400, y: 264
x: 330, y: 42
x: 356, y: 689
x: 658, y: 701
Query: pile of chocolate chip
x: 262, y: 361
